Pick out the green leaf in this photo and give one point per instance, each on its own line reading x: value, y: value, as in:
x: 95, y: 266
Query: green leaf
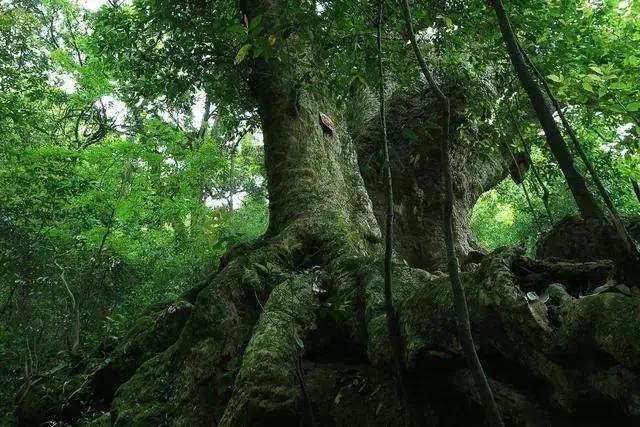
x: 298, y: 341
x: 596, y: 70
x: 554, y: 78
x: 261, y: 267
x: 633, y: 106
x: 242, y: 53
x: 594, y: 77
x: 409, y: 134
x: 255, y: 22
x: 236, y: 28
x: 258, y: 50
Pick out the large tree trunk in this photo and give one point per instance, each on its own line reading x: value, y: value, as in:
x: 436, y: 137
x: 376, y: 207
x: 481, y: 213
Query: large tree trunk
x: 478, y: 163
x: 292, y: 330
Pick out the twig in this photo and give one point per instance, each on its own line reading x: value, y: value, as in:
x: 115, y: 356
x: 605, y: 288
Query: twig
x: 524, y: 187
x: 545, y: 192
x: 74, y: 306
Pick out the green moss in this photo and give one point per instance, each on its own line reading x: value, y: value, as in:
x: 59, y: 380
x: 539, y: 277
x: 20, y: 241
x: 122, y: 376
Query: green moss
x: 150, y: 334
x: 103, y: 420
x: 428, y: 319
x: 135, y: 403
x: 607, y: 322
x: 189, y: 382
x: 267, y: 383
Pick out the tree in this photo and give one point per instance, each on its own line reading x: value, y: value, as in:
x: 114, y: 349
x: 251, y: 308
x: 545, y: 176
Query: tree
x: 586, y: 202
x: 246, y: 345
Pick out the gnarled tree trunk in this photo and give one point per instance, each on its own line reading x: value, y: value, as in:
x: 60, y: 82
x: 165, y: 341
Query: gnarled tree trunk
x: 478, y: 163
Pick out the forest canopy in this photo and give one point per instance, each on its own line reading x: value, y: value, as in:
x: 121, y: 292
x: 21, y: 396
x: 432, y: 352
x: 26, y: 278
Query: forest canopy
x: 224, y: 159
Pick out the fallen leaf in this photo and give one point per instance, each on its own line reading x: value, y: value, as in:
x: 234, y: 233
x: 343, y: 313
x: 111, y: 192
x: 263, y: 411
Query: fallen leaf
x: 337, y: 399
x: 539, y: 312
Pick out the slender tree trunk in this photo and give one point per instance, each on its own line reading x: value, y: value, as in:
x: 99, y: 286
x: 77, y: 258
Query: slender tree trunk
x: 636, y: 188
x: 626, y: 240
x: 126, y: 178
x: 524, y: 188
x: 395, y: 339
x: 74, y: 307
x: 545, y: 192
x: 232, y: 175
x: 585, y: 201
x: 204, y: 125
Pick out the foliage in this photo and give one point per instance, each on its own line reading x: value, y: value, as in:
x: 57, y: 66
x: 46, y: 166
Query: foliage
x: 126, y: 208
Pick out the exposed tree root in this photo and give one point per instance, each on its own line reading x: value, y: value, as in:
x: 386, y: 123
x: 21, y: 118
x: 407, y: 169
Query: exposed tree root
x: 234, y: 354
x: 579, y: 240
x: 536, y: 275
x: 569, y: 351
x: 269, y: 388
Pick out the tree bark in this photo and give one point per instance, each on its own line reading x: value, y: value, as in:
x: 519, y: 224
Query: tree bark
x: 636, y: 188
